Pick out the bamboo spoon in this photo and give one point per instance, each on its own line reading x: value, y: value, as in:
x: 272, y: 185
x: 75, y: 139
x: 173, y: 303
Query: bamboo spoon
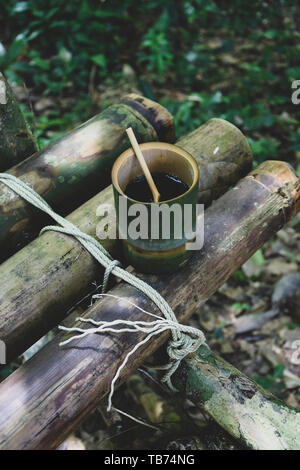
x: 141, y: 159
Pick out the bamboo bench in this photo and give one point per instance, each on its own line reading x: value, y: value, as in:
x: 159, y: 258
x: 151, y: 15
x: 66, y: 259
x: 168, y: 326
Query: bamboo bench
x: 44, y: 400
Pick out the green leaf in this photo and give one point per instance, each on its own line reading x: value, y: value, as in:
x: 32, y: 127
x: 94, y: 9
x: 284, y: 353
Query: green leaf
x: 258, y: 258
x: 15, y: 49
x: 278, y: 371
x: 291, y: 325
x: 238, y: 275
x: 99, y: 60
x: 265, y: 382
x: 20, y: 7
x: 240, y: 305
x: 218, y: 333
x: 41, y: 63
x: 271, y: 33
x: 110, y: 14
x: 293, y: 73
x: 5, y: 372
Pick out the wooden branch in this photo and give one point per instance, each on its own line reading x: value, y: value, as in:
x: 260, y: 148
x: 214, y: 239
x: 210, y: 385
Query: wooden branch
x: 44, y: 279
x: 77, y: 166
x: 16, y: 139
x: 46, y: 398
x: 244, y: 409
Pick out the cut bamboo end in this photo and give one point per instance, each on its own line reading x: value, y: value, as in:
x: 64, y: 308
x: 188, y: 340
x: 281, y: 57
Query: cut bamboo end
x: 279, y: 176
x: 154, y: 113
x: 144, y: 166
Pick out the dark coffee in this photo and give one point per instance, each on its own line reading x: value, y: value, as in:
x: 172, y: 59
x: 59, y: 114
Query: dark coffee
x: 168, y: 186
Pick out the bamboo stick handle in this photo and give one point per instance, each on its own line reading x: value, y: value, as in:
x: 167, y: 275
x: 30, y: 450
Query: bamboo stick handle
x: 142, y: 161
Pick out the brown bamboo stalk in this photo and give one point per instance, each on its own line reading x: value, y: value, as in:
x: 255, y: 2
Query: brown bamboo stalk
x: 16, y: 139
x: 44, y: 400
x: 44, y: 279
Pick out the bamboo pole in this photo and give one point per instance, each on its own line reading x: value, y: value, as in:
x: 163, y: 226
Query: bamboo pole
x: 45, y: 399
x: 77, y: 166
x: 248, y: 412
x: 44, y: 279
x: 16, y: 139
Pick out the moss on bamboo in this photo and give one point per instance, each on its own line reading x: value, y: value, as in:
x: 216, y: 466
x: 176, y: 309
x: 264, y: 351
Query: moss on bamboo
x: 244, y: 409
x: 16, y: 139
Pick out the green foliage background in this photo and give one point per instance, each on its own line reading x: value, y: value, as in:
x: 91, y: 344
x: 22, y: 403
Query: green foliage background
x: 201, y: 58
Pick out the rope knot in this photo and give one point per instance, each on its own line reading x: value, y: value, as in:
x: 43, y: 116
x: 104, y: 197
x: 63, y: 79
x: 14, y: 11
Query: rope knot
x: 186, y: 343
x: 180, y: 348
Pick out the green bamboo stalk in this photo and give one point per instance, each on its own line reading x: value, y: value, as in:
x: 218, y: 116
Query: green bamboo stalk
x: 77, y: 166
x: 16, y: 139
x: 244, y: 409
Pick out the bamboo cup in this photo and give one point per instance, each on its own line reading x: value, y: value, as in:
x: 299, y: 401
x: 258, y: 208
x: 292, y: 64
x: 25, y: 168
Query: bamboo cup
x: 159, y: 247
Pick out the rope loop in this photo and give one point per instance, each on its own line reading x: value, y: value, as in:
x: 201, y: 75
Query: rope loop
x: 108, y: 272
